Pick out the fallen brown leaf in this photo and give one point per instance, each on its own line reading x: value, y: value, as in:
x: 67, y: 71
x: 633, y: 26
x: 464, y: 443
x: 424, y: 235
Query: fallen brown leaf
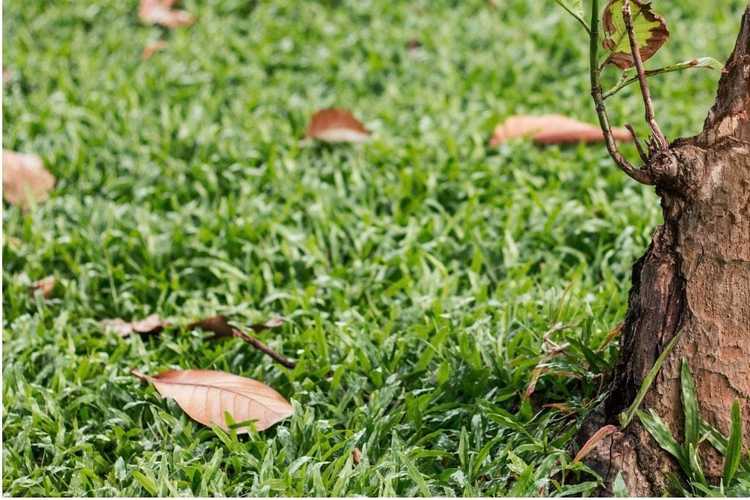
x: 153, y: 47
x: 220, y: 327
x: 552, y: 129
x: 356, y: 455
x: 593, y: 441
x: 161, y: 12
x: 45, y: 286
x: 205, y: 395
x: 25, y: 180
x: 148, y: 325
x: 336, y: 125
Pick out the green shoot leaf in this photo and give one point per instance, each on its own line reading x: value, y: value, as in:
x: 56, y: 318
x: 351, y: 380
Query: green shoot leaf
x: 650, y: 32
x: 734, y: 446
x: 690, y: 406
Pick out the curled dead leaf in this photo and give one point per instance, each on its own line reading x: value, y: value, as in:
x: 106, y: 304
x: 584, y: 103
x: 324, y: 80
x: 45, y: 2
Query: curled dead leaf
x: 148, y: 325
x: 25, y: 180
x: 336, y: 125
x: 45, y: 286
x: 552, y: 129
x: 161, y: 12
x: 206, y: 395
x: 152, y: 48
x: 356, y: 456
x: 593, y: 441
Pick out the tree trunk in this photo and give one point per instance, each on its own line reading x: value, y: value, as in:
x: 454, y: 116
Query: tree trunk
x: 694, y: 279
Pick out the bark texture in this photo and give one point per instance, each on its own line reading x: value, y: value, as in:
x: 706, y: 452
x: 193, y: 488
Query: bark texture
x: 694, y: 279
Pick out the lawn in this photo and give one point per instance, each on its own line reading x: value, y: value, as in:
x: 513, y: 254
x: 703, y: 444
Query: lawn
x: 423, y: 275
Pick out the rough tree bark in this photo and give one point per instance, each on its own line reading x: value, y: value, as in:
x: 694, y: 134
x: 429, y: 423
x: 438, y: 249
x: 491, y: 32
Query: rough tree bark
x: 694, y: 279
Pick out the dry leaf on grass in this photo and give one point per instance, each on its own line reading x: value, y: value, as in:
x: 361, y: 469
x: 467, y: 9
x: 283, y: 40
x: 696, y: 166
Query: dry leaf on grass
x: 593, y: 441
x: 336, y: 125
x: 45, y: 286
x: 161, y: 12
x: 152, y: 48
x: 148, y: 325
x: 205, y: 395
x: 220, y: 327
x: 25, y: 180
x: 552, y: 129
x: 356, y: 456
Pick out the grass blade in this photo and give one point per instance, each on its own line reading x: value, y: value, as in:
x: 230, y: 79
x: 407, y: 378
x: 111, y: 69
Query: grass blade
x: 627, y: 415
x: 734, y: 446
x: 690, y: 406
x: 663, y: 436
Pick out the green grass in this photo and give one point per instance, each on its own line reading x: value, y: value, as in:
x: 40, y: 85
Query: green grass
x: 418, y: 273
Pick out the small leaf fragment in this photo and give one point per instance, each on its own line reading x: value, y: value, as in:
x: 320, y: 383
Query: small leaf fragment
x: 650, y: 32
x: 149, y: 325
x: 152, y: 48
x: 205, y: 395
x: 552, y: 129
x: 44, y: 286
x: 336, y: 125
x: 356, y: 455
x: 161, y: 12
x: 25, y: 180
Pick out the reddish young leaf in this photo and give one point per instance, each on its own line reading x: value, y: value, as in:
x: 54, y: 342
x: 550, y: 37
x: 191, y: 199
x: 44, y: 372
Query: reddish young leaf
x: 336, y: 125
x: 152, y: 48
x: 25, y: 180
x: 45, y: 286
x: 552, y: 129
x: 206, y: 395
x: 161, y: 12
x: 148, y: 325
x: 593, y: 441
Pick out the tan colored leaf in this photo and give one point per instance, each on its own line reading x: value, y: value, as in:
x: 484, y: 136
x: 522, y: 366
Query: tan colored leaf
x: 161, y: 12
x: 45, y: 286
x: 220, y: 327
x: 593, y: 441
x: 650, y: 31
x: 205, y: 395
x: 25, y: 180
x: 552, y: 129
x: 336, y: 125
x: 356, y: 455
x: 148, y: 325
x: 152, y: 48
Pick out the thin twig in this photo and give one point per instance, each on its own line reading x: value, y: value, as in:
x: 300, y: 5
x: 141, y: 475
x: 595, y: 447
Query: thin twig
x: 601, y: 111
x: 648, y: 104
x: 638, y: 145
x: 283, y: 360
